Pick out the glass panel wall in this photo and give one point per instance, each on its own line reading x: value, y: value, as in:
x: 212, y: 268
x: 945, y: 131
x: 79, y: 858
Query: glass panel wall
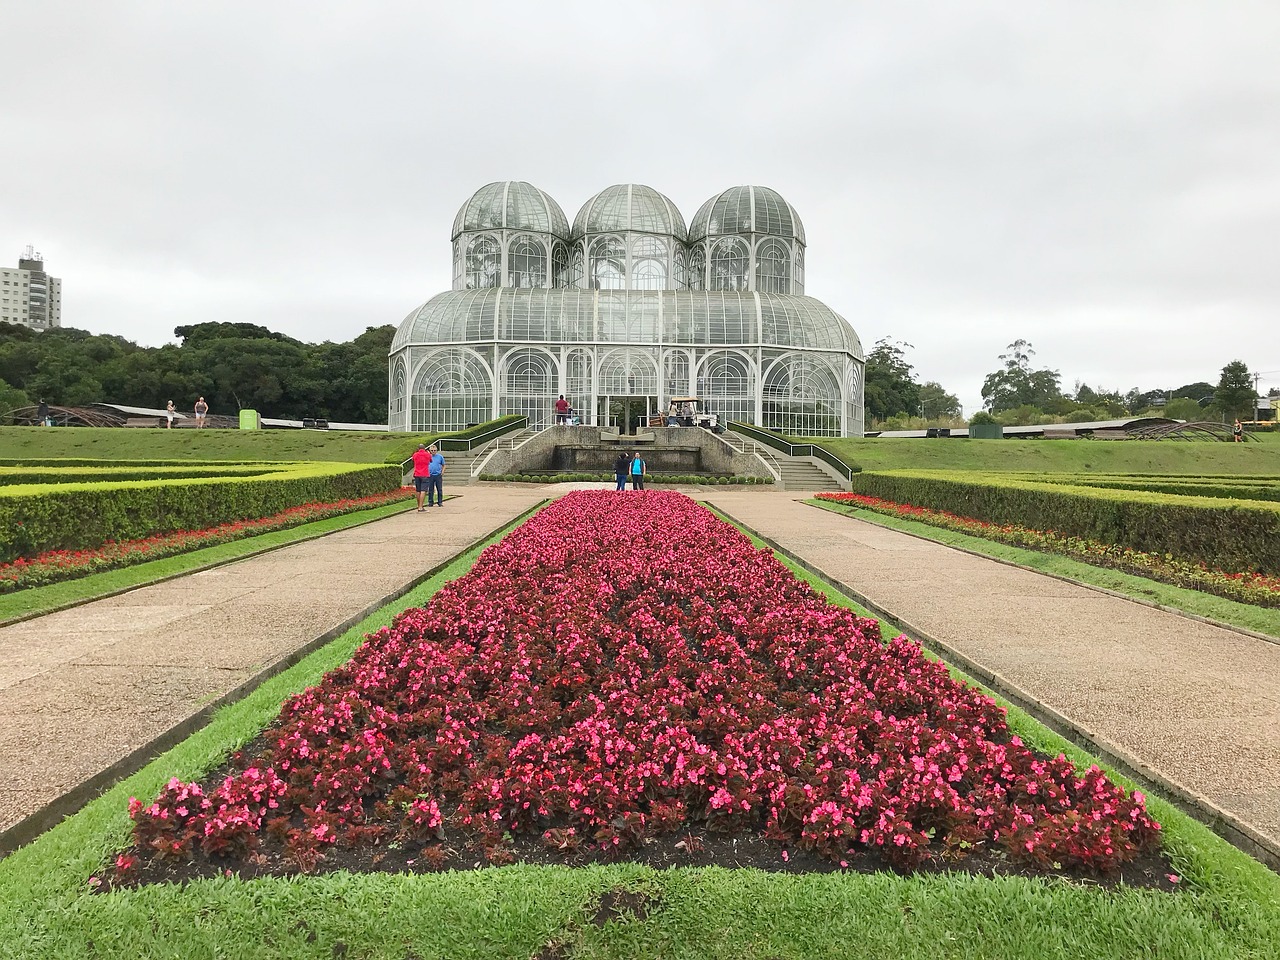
x: 484, y: 263
x: 526, y: 262
x: 608, y: 264
x: 729, y: 259
x: 451, y: 391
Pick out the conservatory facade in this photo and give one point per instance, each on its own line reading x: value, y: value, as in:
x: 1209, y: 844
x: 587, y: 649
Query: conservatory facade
x: 623, y: 311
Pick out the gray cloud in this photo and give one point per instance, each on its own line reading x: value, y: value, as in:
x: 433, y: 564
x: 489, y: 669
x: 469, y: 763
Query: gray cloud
x: 1100, y: 179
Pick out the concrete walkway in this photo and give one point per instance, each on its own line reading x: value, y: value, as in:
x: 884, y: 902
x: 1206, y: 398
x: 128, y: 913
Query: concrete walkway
x: 1198, y: 704
x: 83, y: 688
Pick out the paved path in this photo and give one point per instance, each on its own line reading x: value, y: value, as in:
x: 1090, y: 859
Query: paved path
x: 82, y: 688
x: 1199, y: 704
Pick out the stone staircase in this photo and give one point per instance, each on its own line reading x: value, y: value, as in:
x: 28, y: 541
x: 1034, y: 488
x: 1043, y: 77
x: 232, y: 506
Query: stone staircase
x: 789, y: 473
x: 473, y: 461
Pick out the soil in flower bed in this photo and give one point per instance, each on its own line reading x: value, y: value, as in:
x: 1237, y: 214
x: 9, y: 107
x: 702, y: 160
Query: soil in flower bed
x: 626, y: 678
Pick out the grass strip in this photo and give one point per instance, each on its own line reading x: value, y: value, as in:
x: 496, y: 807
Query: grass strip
x: 1231, y: 907
x: 1262, y: 620
x: 24, y: 604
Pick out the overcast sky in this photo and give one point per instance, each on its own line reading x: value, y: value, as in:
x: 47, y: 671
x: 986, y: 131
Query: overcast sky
x: 1101, y: 179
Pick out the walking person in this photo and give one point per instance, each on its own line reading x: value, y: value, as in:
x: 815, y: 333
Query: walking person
x: 1237, y: 432
x: 435, y: 477
x: 42, y: 414
x: 202, y: 410
x: 620, y: 468
x: 169, y: 411
x: 421, y: 472
x: 562, y: 411
x: 637, y: 472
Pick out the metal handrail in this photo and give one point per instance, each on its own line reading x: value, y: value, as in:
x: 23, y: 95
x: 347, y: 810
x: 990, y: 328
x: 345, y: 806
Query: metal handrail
x: 457, y: 444
x: 793, y: 449
x: 465, y: 444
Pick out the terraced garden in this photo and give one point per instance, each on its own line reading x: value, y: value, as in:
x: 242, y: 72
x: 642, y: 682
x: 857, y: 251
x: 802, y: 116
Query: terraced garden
x: 1215, y: 534
x: 681, y: 749
x: 71, y: 520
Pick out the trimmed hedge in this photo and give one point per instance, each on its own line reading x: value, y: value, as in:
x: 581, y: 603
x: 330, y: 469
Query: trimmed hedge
x: 11, y: 477
x: 687, y: 479
x: 1219, y: 489
x: 74, y: 516
x: 1241, y: 535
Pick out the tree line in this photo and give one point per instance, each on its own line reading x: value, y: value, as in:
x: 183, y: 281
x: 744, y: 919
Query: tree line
x: 1020, y: 393
x: 231, y: 365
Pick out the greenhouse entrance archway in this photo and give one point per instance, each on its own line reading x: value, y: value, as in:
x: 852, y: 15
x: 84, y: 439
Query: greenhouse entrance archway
x: 626, y: 411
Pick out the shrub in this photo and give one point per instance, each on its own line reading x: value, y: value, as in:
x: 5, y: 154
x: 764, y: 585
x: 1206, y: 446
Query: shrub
x: 1232, y: 536
x: 68, y: 516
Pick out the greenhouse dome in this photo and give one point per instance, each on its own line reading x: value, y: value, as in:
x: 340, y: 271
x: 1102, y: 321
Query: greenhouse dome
x: 627, y: 306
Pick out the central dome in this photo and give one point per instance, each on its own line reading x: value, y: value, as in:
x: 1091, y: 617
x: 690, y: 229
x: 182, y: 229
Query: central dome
x: 629, y: 207
x: 511, y: 205
x: 746, y: 209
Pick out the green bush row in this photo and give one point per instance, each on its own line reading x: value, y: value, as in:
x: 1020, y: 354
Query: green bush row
x: 1242, y: 535
x: 76, y: 516
x: 10, y: 477
x: 684, y: 479
x: 1220, y: 489
x: 99, y: 462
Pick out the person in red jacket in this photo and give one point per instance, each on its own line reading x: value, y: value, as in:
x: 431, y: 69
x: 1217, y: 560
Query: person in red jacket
x: 421, y: 473
x: 562, y: 410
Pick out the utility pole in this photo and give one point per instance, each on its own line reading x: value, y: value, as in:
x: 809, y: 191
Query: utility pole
x: 1257, y: 377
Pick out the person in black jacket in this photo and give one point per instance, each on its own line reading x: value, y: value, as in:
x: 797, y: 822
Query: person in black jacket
x: 620, y: 468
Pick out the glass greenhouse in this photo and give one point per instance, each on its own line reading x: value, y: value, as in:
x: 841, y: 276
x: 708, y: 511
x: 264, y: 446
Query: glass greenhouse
x: 623, y: 311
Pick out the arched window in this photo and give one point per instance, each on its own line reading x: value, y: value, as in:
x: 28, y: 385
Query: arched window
x: 576, y: 268
x: 529, y: 386
x: 799, y: 270
x: 773, y: 266
x: 577, y: 382
x: 802, y: 397
x: 396, y: 404
x: 608, y: 264
x: 459, y: 265
x: 648, y: 264
x: 526, y: 263
x: 729, y: 260
x: 679, y: 278
x: 675, y: 374
x: 628, y: 373
x: 484, y: 263
x: 451, y: 391
x: 725, y: 380
x: 559, y: 265
x: 697, y: 268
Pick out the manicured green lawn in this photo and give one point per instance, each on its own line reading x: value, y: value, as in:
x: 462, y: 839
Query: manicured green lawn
x: 1229, y: 905
x: 28, y: 603
x: 1060, y: 456
x: 117, y: 443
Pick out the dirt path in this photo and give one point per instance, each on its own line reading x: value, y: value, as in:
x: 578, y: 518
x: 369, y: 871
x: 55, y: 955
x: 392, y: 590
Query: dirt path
x: 83, y: 688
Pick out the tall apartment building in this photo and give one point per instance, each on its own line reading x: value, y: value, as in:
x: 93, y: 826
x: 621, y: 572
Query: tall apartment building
x: 28, y: 295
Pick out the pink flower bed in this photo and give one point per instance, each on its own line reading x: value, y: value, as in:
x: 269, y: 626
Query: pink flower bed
x: 1248, y: 587
x: 54, y: 566
x: 627, y: 666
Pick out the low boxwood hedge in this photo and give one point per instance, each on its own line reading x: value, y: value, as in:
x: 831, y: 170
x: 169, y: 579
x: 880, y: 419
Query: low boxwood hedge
x: 74, y: 516
x: 1230, y: 535
x: 10, y: 476
x: 684, y: 479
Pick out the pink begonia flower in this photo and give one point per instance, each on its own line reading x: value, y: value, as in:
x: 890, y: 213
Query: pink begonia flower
x: 627, y: 693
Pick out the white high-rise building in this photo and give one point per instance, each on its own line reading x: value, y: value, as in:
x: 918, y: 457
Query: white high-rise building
x: 28, y: 295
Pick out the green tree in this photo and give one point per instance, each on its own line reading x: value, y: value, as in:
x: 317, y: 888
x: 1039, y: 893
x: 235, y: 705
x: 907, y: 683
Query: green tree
x: 1183, y: 408
x: 11, y: 398
x: 1018, y: 385
x: 891, y: 386
x: 1234, y: 395
x: 937, y: 404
